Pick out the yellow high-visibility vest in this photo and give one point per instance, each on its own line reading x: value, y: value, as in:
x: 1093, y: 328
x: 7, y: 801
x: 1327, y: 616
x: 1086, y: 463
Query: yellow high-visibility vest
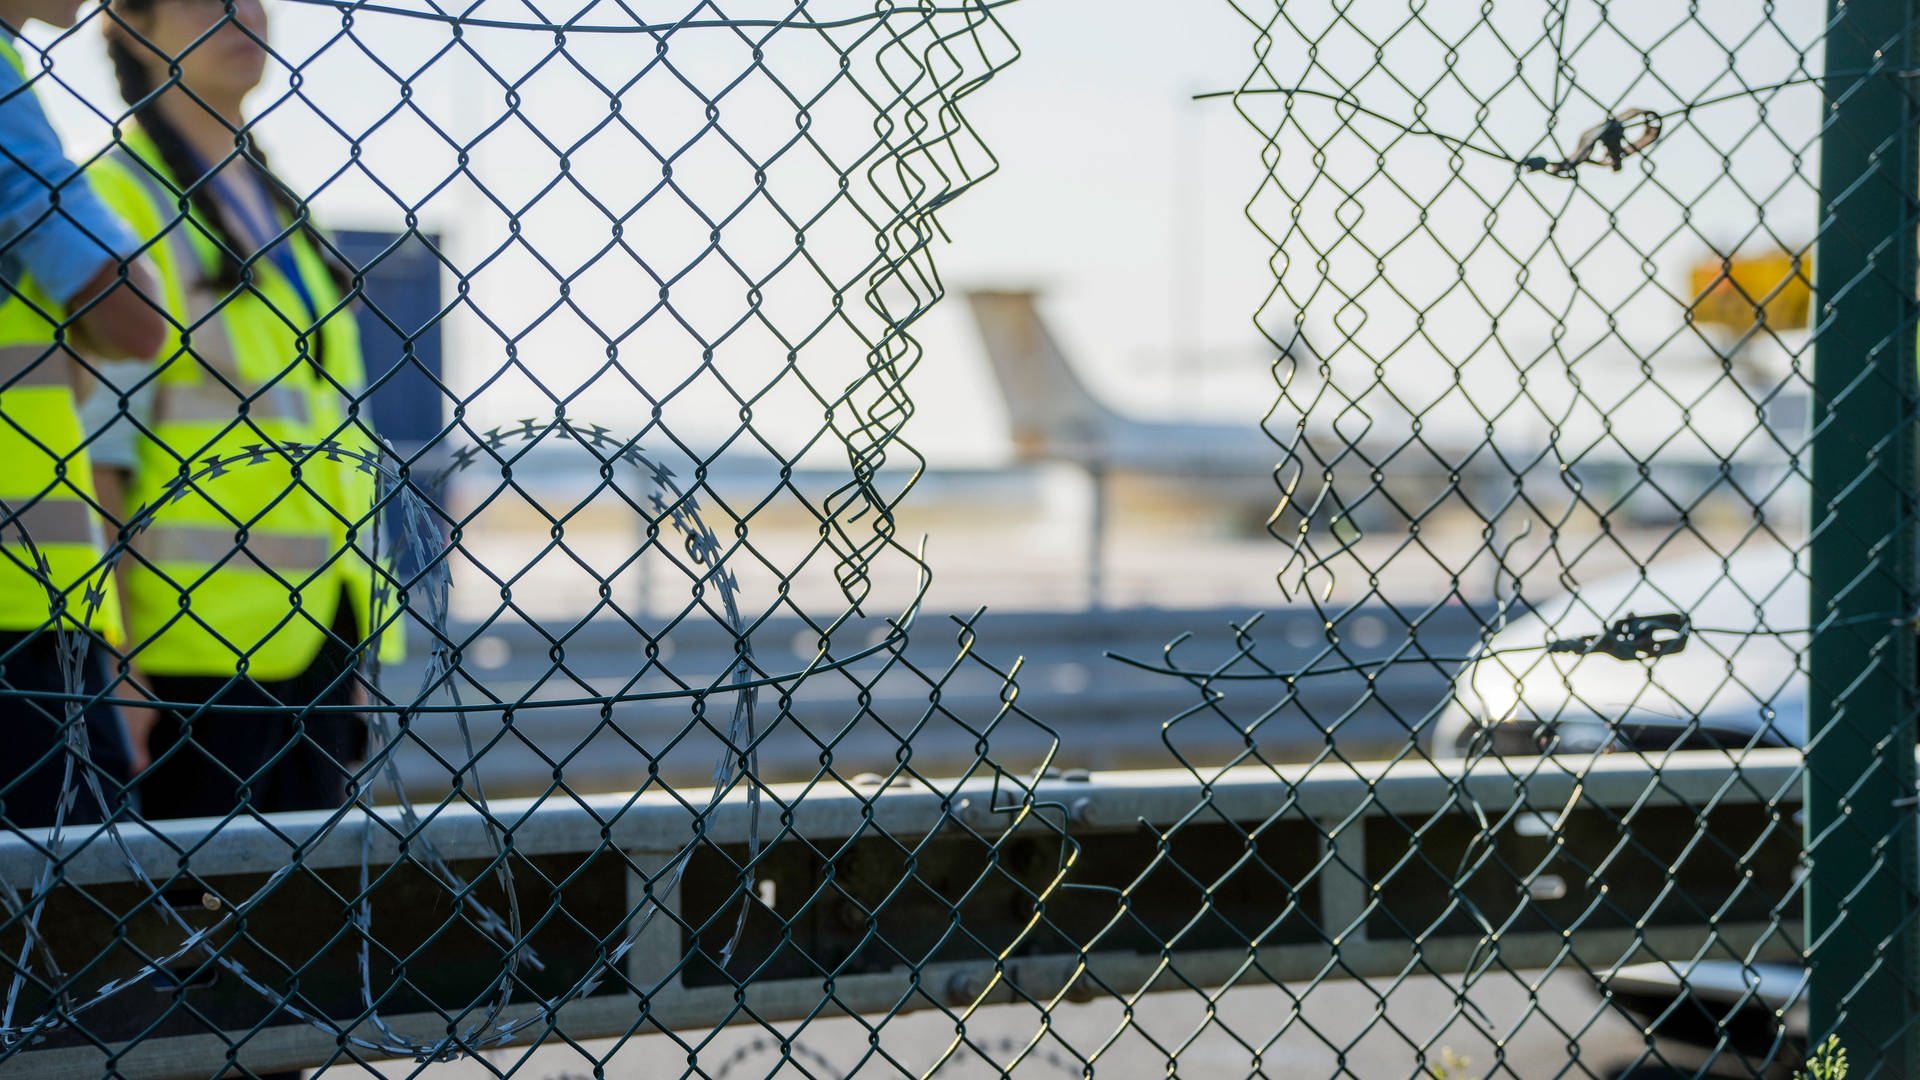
x: 51, y: 541
x: 242, y: 569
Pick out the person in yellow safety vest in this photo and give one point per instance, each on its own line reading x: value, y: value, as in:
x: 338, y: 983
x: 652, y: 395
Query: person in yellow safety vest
x: 64, y: 281
x: 250, y: 585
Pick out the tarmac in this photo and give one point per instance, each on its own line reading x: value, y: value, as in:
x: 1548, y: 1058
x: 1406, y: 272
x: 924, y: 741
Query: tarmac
x: 1507, y: 1025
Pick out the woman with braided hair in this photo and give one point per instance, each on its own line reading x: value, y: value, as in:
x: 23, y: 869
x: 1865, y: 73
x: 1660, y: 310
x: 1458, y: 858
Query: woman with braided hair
x: 247, y: 594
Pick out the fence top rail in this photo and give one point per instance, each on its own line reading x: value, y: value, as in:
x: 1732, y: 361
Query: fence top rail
x: 661, y: 822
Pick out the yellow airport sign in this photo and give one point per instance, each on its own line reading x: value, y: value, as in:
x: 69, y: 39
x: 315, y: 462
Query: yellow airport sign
x: 1737, y: 291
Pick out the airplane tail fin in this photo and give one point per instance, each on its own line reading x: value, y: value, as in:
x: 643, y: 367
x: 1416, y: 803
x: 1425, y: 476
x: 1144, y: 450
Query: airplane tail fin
x: 1051, y: 411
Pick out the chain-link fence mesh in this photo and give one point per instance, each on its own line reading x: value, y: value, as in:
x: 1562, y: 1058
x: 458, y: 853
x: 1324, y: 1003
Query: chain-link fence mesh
x: 485, y: 641
x: 1561, y: 256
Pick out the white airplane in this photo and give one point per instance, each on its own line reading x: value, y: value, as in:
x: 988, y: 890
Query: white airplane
x: 1053, y: 416
x: 1636, y: 457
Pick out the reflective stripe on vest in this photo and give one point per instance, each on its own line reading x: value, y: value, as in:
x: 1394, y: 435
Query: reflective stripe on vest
x: 206, y: 401
x: 22, y: 366
x: 214, y: 546
x: 47, y: 508
x: 50, y: 521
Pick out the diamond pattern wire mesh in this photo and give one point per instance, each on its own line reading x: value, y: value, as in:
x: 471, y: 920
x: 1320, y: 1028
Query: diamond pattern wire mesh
x: 646, y: 562
x: 724, y: 252
x: 1504, y: 378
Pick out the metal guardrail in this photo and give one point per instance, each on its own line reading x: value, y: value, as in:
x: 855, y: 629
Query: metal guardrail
x: 918, y: 897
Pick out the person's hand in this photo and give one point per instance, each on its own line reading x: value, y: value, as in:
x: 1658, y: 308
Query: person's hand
x: 139, y: 721
x: 115, y: 317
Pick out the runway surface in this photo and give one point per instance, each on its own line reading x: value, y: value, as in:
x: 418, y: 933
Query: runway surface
x: 1509, y: 1025
x: 535, y: 707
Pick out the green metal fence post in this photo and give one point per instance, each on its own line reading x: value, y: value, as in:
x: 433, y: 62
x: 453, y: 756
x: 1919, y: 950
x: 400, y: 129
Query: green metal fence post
x: 1861, y: 932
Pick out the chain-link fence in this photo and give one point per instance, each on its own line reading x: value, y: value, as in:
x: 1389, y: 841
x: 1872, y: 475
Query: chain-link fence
x: 484, y: 640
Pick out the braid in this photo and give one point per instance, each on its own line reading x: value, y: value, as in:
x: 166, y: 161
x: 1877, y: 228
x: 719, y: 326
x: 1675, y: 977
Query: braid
x: 138, y: 90
x: 181, y: 165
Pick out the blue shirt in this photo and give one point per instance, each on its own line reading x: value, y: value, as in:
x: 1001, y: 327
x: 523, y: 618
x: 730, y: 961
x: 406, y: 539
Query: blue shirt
x: 53, y: 226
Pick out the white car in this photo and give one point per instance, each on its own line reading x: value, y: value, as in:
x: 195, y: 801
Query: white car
x: 1739, y: 680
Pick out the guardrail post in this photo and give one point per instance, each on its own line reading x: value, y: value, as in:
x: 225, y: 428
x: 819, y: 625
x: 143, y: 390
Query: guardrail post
x: 1861, y: 887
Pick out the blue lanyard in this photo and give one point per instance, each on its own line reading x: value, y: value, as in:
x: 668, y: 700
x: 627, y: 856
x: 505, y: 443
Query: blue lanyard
x: 266, y: 238
x: 261, y: 235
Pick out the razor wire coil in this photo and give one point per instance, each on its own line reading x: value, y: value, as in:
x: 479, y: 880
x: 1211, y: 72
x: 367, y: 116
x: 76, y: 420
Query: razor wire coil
x: 486, y: 1031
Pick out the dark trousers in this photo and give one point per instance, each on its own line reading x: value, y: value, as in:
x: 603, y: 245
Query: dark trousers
x: 212, y: 763
x: 35, y: 757
x: 209, y: 762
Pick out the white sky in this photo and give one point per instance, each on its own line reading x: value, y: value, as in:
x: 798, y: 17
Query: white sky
x: 1120, y: 196
x: 1113, y: 188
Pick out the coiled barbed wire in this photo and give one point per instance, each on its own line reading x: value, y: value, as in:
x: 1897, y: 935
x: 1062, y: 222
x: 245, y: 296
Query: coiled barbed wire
x: 396, y: 489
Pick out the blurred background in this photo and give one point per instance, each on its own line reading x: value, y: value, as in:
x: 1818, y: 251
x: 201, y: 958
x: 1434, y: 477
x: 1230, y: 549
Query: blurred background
x: 1483, y: 387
